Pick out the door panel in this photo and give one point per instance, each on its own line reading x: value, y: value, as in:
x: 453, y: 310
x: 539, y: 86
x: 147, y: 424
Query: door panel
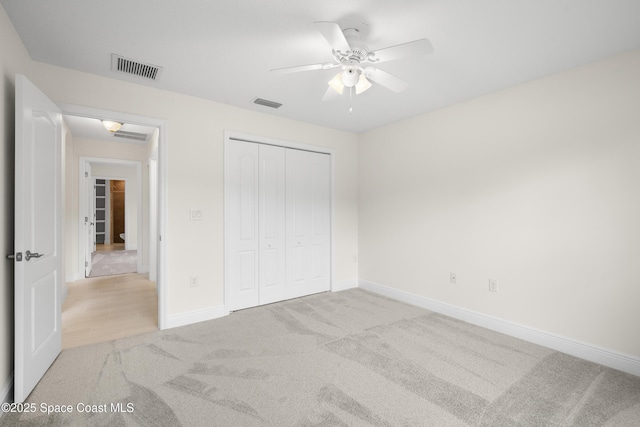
x: 242, y: 221
x: 43, y: 314
x: 308, y: 222
x: 320, y: 222
x: 272, y: 224
x: 38, y: 225
x: 89, y: 219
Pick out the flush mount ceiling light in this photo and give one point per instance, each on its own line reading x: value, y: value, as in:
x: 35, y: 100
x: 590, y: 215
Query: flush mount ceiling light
x: 111, y: 126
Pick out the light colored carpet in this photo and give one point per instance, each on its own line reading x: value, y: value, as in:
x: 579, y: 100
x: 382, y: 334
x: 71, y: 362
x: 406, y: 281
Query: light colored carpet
x: 113, y: 262
x: 350, y: 358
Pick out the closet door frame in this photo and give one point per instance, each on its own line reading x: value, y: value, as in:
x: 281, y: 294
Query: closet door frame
x: 230, y: 136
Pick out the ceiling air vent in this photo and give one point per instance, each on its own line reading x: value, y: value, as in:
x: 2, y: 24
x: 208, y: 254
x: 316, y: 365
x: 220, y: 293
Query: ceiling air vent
x: 135, y: 68
x: 267, y: 103
x: 130, y: 135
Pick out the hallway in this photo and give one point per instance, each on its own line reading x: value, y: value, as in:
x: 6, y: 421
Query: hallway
x: 106, y: 308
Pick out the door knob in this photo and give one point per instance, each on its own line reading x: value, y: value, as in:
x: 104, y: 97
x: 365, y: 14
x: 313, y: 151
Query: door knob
x: 28, y: 255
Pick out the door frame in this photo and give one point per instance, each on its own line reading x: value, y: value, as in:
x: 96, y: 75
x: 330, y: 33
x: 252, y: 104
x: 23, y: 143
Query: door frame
x: 161, y: 237
x: 244, y: 137
x: 83, y: 203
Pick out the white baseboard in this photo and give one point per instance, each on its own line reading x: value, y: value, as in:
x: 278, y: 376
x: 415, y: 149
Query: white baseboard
x: 344, y: 285
x: 74, y: 277
x: 6, y: 393
x: 589, y: 352
x: 184, y: 319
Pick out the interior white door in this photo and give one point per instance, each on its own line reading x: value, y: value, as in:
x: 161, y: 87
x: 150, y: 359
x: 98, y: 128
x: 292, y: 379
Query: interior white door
x: 242, y: 225
x: 38, y: 245
x: 89, y: 218
x: 271, y: 227
x: 308, y: 223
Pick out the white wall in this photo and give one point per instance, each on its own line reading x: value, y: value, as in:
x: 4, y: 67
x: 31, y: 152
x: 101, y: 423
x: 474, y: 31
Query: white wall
x: 13, y: 60
x: 195, y: 174
x: 537, y: 186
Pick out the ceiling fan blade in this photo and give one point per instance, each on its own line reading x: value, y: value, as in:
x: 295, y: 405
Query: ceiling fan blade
x: 330, y: 94
x: 391, y: 53
x: 385, y: 79
x: 311, y: 67
x: 333, y: 34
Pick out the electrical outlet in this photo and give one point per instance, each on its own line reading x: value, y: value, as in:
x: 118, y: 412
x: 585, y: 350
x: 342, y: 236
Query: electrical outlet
x: 193, y: 281
x: 453, y: 278
x: 195, y: 214
x: 493, y: 285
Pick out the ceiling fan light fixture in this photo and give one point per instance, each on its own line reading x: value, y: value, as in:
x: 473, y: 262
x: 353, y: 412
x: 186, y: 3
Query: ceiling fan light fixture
x: 336, y: 83
x: 111, y: 126
x: 350, y: 77
x: 362, y: 85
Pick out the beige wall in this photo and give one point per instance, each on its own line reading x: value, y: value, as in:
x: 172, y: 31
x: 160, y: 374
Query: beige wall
x: 195, y: 173
x: 13, y: 59
x: 537, y: 186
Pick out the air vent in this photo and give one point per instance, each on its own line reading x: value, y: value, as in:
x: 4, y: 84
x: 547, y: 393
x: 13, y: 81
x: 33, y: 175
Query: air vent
x: 267, y: 103
x: 135, y: 68
x: 136, y: 136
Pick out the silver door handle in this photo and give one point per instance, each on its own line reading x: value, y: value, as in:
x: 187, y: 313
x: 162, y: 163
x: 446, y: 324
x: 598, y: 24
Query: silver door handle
x: 28, y: 255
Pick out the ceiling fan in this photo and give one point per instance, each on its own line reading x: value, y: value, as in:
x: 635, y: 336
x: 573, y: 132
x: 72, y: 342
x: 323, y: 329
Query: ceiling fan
x: 354, y: 57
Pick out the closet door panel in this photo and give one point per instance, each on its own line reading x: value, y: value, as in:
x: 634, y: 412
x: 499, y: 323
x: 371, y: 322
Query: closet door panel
x: 308, y: 223
x: 242, y: 210
x: 272, y: 224
x: 298, y: 217
x: 320, y: 222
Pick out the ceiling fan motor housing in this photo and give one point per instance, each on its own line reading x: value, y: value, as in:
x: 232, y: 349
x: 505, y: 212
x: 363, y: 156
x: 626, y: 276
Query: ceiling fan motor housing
x: 351, y: 72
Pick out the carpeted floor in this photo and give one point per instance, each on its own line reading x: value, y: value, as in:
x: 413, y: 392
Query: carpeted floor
x: 113, y: 262
x: 350, y: 358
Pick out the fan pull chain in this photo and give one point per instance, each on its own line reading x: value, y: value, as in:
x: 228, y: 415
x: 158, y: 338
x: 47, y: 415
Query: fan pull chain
x: 350, y: 99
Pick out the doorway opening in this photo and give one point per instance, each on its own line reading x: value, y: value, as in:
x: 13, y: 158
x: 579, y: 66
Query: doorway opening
x: 115, y: 212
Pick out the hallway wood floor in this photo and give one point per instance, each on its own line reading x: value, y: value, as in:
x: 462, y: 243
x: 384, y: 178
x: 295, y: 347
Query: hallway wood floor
x: 106, y: 308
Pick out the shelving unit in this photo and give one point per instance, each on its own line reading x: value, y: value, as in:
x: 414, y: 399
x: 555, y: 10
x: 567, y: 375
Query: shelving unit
x: 102, y: 208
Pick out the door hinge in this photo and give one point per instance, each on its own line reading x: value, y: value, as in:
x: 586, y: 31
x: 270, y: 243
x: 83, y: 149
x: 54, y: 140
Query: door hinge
x: 86, y: 174
x: 86, y: 219
x: 86, y: 263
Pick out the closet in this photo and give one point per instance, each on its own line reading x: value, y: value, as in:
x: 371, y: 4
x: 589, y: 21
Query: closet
x: 278, y: 223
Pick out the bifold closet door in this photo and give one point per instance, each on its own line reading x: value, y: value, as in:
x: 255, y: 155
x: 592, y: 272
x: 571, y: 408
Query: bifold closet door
x: 308, y: 223
x: 278, y: 213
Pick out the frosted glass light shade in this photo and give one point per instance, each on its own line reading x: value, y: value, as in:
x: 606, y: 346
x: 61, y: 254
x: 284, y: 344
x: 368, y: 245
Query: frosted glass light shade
x: 362, y: 85
x: 336, y: 83
x: 111, y: 126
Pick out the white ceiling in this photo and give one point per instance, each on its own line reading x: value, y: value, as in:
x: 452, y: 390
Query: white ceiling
x: 91, y: 128
x: 223, y: 50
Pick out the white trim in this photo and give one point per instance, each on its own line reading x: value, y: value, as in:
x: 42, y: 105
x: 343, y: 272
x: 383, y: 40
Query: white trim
x: 603, y: 356
x: 6, y: 394
x: 163, y: 198
x: 343, y: 285
x: 191, y: 317
x: 228, y: 136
